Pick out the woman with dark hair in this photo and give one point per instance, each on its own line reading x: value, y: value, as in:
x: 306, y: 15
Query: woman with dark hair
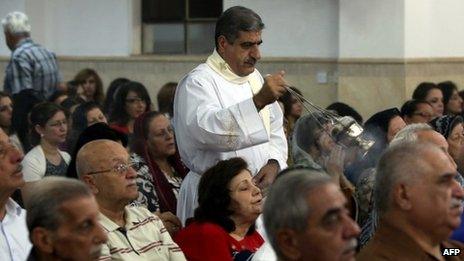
x: 131, y: 100
x: 23, y: 102
x: 92, y: 85
x: 96, y: 131
x: 292, y: 109
x: 451, y: 100
x: 165, y: 98
x: 6, y: 112
x: 417, y: 111
x: 229, y: 203
x: 58, y: 97
x: 48, y: 130
x: 343, y: 109
x: 159, y: 168
x: 71, y: 103
x: 111, y: 91
x: 84, y: 115
x: 431, y: 93
x: 382, y: 128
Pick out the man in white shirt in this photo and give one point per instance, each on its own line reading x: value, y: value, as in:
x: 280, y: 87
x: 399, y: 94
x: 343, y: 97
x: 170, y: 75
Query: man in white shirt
x: 14, y: 237
x: 224, y: 108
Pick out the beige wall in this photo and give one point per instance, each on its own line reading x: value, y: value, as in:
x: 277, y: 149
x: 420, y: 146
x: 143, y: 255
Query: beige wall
x: 153, y: 72
x: 369, y: 85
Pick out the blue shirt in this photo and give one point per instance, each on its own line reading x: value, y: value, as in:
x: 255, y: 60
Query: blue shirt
x: 32, y: 67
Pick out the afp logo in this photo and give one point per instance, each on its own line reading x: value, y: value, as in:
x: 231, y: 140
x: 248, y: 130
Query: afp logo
x: 451, y: 251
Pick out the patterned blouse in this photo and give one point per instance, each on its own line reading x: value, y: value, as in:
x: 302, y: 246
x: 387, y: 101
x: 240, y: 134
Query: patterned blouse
x: 147, y: 193
x: 56, y: 170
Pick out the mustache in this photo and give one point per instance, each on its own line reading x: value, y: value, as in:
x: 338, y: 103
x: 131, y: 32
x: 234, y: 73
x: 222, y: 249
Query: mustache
x: 251, y: 60
x: 456, y: 202
x: 19, y: 168
x: 351, y: 246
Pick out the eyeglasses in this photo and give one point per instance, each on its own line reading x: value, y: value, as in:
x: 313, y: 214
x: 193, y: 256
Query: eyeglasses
x: 134, y: 100
x: 119, y: 169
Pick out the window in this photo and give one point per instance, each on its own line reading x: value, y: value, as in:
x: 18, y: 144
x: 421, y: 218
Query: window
x: 179, y: 26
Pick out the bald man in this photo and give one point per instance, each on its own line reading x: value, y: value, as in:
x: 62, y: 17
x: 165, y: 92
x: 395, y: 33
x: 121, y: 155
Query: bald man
x: 133, y: 232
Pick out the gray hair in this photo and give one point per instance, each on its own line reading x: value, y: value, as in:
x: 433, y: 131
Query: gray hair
x: 409, y: 133
x: 16, y: 23
x: 236, y: 19
x: 46, y: 198
x: 286, y: 205
x: 401, y: 163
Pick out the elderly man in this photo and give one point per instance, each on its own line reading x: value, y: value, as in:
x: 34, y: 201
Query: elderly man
x: 306, y: 219
x: 133, y: 232
x: 418, y: 132
x: 31, y: 66
x: 14, y: 241
x: 419, y: 204
x: 223, y: 108
x: 62, y: 217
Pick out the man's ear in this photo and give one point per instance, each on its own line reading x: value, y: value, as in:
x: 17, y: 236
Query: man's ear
x: 402, y: 196
x: 288, y: 244
x: 89, y: 180
x: 222, y: 41
x: 42, y: 239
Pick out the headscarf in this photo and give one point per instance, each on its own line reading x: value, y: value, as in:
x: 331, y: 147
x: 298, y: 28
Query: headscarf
x: 445, y: 124
x: 166, y: 197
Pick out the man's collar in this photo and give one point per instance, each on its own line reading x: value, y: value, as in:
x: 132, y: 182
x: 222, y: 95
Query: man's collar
x: 13, y: 208
x: 109, y: 225
x: 22, y: 41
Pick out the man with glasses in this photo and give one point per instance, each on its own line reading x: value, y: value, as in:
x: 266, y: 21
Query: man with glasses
x: 133, y: 232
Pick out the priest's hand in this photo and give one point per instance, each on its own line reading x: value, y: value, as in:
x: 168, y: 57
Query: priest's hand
x: 273, y: 88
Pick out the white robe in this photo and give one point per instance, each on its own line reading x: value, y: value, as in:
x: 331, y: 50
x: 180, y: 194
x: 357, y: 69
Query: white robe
x: 214, y: 120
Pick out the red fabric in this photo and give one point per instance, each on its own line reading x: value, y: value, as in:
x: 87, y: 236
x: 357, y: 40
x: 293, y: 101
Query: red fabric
x: 210, y: 242
x: 166, y: 197
x: 121, y: 128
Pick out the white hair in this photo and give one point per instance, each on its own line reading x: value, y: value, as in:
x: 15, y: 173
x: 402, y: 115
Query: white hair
x: 16, y: 23
x: 409, y: 133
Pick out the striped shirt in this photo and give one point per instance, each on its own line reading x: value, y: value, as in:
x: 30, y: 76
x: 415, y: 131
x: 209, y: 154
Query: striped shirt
x: 32, y: 67
x: 144, y: 237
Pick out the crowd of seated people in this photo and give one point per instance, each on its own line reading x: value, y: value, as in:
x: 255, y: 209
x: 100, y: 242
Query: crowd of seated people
x: 228, y: 223
x: 100, y: 177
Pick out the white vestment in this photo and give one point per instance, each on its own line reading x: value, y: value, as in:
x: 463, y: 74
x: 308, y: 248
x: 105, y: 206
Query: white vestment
x: 215, y: 119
